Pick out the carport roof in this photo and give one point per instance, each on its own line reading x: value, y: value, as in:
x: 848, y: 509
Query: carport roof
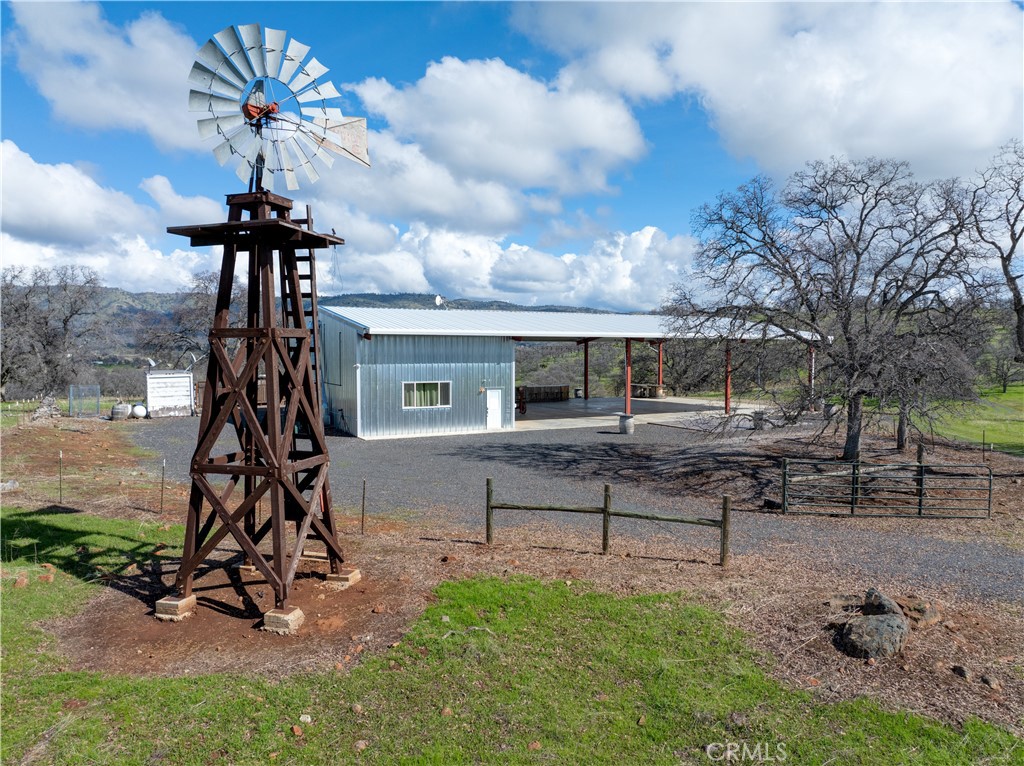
x: 528, y: 325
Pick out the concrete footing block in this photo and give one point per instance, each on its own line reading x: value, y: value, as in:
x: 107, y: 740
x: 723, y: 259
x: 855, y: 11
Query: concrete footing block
x: 174, y: 608
x: 344, y: 578
x: 284, y: 622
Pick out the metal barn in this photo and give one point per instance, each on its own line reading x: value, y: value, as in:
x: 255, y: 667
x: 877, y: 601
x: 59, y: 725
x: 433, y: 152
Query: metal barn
x: 413, y: 372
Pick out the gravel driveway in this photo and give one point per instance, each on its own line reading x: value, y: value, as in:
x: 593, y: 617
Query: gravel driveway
x: 657, y: 468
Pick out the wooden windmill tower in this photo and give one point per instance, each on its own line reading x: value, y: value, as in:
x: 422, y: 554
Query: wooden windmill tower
x: 261, y: 438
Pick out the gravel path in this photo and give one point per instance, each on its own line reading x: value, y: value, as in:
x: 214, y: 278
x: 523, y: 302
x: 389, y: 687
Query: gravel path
x: 648, y: 471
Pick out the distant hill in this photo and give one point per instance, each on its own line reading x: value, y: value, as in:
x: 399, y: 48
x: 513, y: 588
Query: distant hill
x: 426, y: 301
x: 126, y: 315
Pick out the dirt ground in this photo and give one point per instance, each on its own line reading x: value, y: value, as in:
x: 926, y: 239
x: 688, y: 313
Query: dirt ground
x: 779, y: 599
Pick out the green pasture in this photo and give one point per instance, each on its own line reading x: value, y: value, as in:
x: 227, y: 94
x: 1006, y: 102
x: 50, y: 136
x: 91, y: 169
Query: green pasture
x: 997, y: 419
x: 494, y: 671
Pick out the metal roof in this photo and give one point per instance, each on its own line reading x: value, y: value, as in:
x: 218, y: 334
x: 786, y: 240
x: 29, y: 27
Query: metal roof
x: 531, y: 325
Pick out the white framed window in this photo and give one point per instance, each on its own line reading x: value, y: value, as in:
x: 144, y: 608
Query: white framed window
x: 437, y: 393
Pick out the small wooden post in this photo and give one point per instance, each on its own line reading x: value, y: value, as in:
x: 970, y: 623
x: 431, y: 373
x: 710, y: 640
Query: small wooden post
x: 723, y: 554
x: 854, y: 485
x: 606, y: 518
x: 920, y: 479
x: 490, y: 511
x: 362, y: 512
x: 785, y: 485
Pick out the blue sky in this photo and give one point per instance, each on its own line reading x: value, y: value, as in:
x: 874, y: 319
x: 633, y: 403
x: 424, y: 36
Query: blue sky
x: 537, y: 153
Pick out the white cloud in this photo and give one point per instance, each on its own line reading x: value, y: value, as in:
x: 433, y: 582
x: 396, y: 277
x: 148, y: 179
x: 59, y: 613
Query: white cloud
x: 97, y: 75
x: 487, y: 121
x: 179, y: 210
x: 939, y: 84
x: 405, y: 183
x: 56, y: 214
x: 61, y: 204
x: 623, y: 271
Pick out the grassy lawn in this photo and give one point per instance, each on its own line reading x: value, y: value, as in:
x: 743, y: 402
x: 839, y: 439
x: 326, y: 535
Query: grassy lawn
x: 998, y: 417
x: 495, y: 670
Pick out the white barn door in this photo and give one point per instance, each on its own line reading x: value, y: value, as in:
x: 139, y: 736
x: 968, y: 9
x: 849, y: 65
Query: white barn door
x: 493, y: 409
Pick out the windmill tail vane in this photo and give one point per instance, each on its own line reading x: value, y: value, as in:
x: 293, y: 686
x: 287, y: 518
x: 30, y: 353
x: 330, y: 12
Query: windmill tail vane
x: 269, y: 107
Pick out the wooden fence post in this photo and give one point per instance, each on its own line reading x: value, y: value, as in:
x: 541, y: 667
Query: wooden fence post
x: 785, y: 484
x: 723, y: 554
x: 606, y: 518
x: 920, y: 479
x: 854, y: 485
x: 490, y: 511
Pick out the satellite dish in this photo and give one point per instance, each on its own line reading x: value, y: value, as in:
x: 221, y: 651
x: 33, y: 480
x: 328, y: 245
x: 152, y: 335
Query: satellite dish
x: 440, y: 302
x: 269, y: 109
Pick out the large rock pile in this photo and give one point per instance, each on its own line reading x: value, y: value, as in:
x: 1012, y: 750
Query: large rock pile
x: 48, y: 408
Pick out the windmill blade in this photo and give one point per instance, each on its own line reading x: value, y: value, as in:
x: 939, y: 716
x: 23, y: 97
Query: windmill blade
x: 315, y: 148
x: 224, y: 126
x: 214, y: 58
x: 323, y: 90
x: 302, y: 160
x: 252, y: 39
x: 248, y: 164
x: 198, y: 101
x: 292, y: 58
x: 286, y: 167
x: 268, y: 179
x: 235, y: 49
x: 323, y: 113
x: 206, y: 78
x: 275, y: 50
x: 307, y: 74
x: 231, y: 146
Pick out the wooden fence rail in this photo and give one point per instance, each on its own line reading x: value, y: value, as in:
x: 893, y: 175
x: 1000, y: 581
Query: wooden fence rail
x: 607, y: 513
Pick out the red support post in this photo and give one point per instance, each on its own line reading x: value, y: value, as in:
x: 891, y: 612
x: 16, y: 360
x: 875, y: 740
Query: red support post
x: 629, y: 376
x: 728, y: 379
x: 661, y: 363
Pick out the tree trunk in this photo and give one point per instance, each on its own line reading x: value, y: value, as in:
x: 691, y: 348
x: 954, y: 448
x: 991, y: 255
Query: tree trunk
x: 854, y: 423
x: 902, y: 425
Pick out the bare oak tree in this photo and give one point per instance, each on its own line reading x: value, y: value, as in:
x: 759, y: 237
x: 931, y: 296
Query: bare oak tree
x: 181, y: 337
x: 49, y: 326
x: 855, y: 257
x: 996, y: 209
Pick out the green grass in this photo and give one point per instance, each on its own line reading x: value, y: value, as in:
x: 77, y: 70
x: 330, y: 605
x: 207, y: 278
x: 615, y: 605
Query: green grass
x: 998, y: 417
x: 590, y: 677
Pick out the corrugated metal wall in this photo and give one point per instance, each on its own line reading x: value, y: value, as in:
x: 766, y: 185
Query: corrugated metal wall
x: 374, y: 370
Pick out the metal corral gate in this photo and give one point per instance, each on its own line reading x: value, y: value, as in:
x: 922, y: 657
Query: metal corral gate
x: 898, y: 489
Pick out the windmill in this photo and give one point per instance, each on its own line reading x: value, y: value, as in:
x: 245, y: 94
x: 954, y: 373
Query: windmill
x: 269, y: 107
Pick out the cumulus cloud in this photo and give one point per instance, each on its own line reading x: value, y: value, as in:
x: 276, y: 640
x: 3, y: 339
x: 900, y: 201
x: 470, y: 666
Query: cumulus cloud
x: 621, y: 271
x: 56, y: 214
x: 178, y: 209
x: 939, y: 84
x: 60, y: 204
x: 406, y: 183
x: 488, y: 121
x: 98, y: 75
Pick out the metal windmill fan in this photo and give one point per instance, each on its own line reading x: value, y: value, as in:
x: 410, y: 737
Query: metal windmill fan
x: 270, y: 109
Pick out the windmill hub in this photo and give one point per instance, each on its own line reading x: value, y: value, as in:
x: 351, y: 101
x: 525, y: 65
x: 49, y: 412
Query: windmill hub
x: 248, y: 78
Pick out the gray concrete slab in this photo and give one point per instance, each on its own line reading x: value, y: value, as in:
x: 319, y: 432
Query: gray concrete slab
x: 604, y: 411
